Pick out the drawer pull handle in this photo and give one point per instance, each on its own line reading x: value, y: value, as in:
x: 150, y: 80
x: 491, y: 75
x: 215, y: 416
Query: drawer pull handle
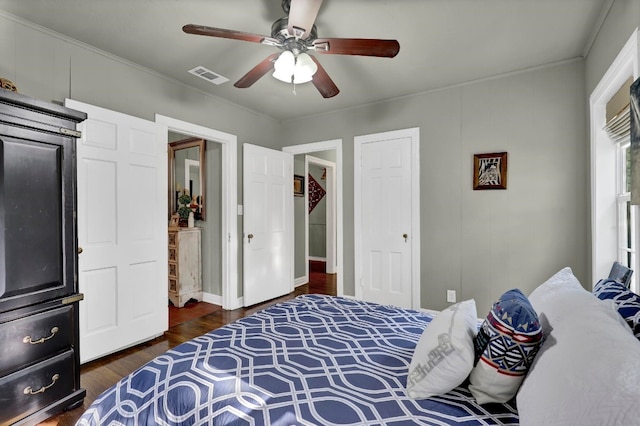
x: 27, y: 339
x: 29, y: 390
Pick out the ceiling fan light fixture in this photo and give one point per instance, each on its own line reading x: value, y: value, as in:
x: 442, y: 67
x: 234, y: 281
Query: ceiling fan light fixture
x: 304, y: 69
x: 299, y: 79
x: 289, y: 68
x: 284, y: 66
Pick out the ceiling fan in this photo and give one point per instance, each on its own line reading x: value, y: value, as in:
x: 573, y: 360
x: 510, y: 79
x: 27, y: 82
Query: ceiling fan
x: 295, y: 34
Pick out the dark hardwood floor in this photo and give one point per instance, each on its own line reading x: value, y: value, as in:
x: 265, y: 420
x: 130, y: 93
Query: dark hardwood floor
x: 189, y: 311
x: 99, y: 375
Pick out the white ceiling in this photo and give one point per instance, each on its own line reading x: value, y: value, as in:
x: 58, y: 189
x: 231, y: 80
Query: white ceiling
x: 442, y: 42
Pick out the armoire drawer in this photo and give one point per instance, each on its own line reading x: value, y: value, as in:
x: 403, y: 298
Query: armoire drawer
x: 33, y: 388
x: 35, y: 337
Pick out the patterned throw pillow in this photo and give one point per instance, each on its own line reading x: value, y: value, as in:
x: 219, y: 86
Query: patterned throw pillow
x: 443, y: 357
x: 627, y: 302
x: 505, y: 347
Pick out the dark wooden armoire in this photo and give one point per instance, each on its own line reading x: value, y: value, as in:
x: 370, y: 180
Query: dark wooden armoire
x: 39, y: 343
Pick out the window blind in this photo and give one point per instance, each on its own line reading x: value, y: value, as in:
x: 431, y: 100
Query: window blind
x: 618, y: 113
x: 619, y: 127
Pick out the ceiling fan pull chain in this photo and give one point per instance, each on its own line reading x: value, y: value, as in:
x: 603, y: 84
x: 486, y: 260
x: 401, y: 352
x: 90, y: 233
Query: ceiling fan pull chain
x: 294, y: 88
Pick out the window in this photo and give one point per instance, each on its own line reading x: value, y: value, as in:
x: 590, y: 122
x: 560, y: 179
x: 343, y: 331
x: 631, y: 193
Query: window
x: 627, y: 215
x: 614, y: 222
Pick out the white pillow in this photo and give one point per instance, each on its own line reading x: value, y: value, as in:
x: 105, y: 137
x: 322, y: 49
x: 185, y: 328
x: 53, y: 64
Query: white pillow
x: 547, y: 299
x: 443, y: 357
x: 587, y: 371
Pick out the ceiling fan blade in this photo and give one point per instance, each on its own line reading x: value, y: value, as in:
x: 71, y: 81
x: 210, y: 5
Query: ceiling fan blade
x: 257, y: 72
x: 302, y: 15
x: 323, y: 82
x: 357, y: 46
x: 232, y: 34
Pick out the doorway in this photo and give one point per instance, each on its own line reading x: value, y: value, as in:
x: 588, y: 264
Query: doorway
x: 227, y: 237
x: 301, y: 256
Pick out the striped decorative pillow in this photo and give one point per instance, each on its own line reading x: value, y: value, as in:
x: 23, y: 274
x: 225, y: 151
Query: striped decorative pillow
x: 505, y: 347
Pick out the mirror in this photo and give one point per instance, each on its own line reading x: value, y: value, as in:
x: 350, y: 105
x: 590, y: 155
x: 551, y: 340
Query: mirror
x: 187, y: 178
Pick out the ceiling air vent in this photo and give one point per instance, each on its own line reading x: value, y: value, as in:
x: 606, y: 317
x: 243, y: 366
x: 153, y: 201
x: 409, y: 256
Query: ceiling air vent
x: 208, y: 75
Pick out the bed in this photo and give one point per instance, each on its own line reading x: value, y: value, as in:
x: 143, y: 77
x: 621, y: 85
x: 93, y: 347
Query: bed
x: 323, y: 360
x: 313, y: 360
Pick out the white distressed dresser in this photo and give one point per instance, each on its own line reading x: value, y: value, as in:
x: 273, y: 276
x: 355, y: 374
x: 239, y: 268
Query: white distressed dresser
x: 185, y: 265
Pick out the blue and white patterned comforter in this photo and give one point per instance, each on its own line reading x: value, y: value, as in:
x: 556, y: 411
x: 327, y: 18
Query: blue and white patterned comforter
x: 314, y: 360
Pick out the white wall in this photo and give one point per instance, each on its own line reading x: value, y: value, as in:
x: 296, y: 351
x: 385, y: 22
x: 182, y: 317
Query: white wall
x: 482, y: 243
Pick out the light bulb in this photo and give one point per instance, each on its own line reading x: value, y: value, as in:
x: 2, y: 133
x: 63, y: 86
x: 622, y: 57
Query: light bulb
x: 284, y: 66
x: 304, y: 69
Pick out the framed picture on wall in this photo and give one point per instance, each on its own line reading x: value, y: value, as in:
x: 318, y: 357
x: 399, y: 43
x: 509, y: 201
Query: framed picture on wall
x: 298, y: 185
x: 490, y: 171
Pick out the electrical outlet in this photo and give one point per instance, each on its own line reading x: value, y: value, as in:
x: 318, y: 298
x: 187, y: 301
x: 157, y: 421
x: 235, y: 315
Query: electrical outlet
x: 451, y: 296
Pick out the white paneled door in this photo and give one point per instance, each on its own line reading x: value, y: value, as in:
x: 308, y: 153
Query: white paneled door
x: 268, y: 223
x: 387, y: 220
x: 122, y: 230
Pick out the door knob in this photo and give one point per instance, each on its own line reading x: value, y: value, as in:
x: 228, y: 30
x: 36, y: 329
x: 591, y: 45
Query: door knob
x: 250, y: 236
x: 80, y: 250
x: 405, y: 236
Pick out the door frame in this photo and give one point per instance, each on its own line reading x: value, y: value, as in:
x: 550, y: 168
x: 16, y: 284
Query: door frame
x: 309, y: 148
x: 358, y: 141
x: 229, y: 219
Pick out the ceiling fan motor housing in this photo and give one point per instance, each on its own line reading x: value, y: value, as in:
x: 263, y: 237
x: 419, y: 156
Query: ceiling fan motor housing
x: 289, y: 42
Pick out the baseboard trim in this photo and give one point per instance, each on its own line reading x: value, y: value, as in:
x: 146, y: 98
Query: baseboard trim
x: 217, y: 300
x: 212, y: 298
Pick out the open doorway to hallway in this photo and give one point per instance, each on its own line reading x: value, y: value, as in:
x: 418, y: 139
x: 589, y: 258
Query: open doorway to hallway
x: 327, y: 155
